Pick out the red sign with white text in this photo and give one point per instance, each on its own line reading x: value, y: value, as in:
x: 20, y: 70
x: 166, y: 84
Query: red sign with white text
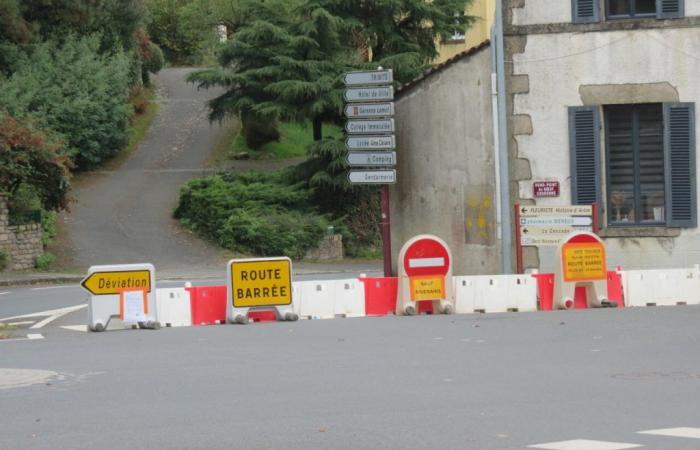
x: 545, y: 188
x: 426, y: 257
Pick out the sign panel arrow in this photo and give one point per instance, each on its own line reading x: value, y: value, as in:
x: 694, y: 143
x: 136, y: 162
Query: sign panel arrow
x: 370, y: 143
x: 369, y: 126
x: 369, y: 110
x: 565, y: 210
x: 372, y: 176
x: 369, y: 77
x: 571, y: 221
x: 113, y: 282
x: 371, y: 158
x: 383, y: 93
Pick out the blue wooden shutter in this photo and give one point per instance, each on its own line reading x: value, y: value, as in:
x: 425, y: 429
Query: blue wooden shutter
x: 670, y: 9
x: 585, y: 11
x: 679, y: 153
x: 584, y: 144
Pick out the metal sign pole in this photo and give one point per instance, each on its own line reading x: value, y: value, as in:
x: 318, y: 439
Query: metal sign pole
x: 386, y: 230
x: 518, y: 242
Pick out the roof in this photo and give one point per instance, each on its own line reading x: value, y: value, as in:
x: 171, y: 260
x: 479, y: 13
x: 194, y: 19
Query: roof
x: 442, y: 66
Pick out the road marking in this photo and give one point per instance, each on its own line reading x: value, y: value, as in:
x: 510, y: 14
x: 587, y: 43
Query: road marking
x: 25, y: 322
x: 683, y: 432
x: 57, y: 315
x: 76, y: 327
x: 35, y: 336
x: 54, y: 287
x: 50, y: 312
x: 4, y: 293
x: 584, y: 444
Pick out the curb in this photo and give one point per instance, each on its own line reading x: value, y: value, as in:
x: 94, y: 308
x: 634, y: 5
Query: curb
x: 47, y: 280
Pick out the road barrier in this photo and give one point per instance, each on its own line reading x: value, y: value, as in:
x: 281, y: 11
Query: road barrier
x: 316, y: 299
x: 174, y: 307
x: 349, y: 298
x: 665, y: 287
x: 380, y: 295
x: 495, y: 293
x: 208, y: 304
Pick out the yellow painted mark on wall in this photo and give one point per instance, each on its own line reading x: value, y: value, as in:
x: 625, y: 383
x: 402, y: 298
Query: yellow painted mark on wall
x: 261, y: 283
x: 479, y: 221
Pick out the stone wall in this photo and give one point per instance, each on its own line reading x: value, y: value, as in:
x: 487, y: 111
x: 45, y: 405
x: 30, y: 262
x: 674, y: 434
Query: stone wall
x: 329, y: 249
x: 21, y: 243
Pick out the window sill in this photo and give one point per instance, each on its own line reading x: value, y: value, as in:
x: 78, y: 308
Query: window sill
x: 639, y: 232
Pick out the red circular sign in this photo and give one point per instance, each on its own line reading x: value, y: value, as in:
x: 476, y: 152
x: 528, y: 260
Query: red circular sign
x: 426, y: 257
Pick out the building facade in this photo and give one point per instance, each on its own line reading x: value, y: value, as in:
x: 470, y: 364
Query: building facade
x: 601, y: 97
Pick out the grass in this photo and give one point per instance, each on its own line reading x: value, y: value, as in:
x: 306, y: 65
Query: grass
x: 294, y: 141
x: 5, y: 330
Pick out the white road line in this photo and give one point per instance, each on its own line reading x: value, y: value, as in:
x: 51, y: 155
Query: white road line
x: 54, y: 287
x: 584, y: 444
x: 56, y: 316
x: 35, y: 336
x: 4, y: 293
x: 25, y: 322
x: 75, y: 327
x: 683, y: 432
x: 49, y: 312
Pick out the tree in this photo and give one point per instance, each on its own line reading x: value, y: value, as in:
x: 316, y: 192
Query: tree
x: 31, y: 157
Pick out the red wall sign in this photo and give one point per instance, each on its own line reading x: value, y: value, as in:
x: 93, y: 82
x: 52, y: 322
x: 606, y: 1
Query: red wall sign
x: 545, y: 188
x: 426, y: 257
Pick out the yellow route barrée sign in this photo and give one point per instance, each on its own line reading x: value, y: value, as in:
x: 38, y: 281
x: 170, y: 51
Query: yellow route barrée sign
x: 261, y: 283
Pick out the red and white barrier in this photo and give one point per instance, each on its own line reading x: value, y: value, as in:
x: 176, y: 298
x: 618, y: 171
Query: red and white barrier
x: 174, y: 309
x: 662, y: 287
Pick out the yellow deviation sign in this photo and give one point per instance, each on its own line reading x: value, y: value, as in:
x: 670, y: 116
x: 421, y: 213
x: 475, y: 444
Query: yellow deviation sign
x: 584, y: 262
x: 114, y: 282
x: 427, y: 288
x: 261, y: 283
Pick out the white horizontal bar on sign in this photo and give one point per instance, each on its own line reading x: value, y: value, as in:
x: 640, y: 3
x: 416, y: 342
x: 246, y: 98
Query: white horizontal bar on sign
x: 426, y: 262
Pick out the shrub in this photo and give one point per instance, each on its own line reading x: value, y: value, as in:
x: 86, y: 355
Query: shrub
x: 45, y: 261
x: 49, y: 229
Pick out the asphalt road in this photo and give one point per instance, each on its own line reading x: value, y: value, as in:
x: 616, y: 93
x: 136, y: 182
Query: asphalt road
x: 125, y: 215
x: 496, y: 381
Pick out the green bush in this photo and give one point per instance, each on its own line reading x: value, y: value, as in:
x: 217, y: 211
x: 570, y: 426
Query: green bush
x: 48, y: 227
x: 76, y: 92
x: 256, y: 213
x: 45, y: 261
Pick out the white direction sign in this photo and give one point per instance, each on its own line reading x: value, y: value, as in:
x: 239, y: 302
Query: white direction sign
x: 384, y: 93
x: 369, y: 126
x: 370, y: 143
x: 571, y: 221
x: 371, y: 158
x: 566, y: 210
x: 369, y: 110
x: 370, y: 77
x: 372, y: 176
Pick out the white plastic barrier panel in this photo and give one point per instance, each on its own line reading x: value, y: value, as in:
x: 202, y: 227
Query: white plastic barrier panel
x: 349, y: 298
x: 465, y: 294
x: 662, y: 287
x: 174, y: 307
x: 317, y: 299
x: 123, y: 291
x: 495, y: 293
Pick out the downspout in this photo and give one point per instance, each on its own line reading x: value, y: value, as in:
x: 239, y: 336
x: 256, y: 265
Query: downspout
x: 501, y: 145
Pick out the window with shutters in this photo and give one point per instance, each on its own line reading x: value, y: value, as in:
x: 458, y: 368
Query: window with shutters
x: 624, y: 9
x: 588, y: 11
x: 635, y: 164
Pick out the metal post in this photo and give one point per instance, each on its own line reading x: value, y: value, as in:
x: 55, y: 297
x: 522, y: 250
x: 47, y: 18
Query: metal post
x: 518, y: 242
x: 386, y: 230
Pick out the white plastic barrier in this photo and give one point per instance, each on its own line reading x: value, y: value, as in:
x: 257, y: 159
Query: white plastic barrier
x: 349, y: 298
x: 174, y: 308
x: 661, y: 287
x: 316, y: 299
x: 495, y: 293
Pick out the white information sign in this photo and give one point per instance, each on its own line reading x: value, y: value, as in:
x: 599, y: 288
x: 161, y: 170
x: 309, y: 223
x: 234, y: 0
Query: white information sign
x: 357, y: 110
x: 371, y: 158
x: 566, y: 210
x: 369, y: 126
x: 369, y: 77
x: 370, y: 143
x: 550, y: 225
x: 571, y: 221
x: 134, y: 306
x: 369, y: 94
x: 372, y: 176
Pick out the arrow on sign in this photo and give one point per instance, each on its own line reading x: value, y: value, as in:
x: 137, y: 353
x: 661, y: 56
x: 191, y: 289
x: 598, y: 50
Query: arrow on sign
x: 113, y: 282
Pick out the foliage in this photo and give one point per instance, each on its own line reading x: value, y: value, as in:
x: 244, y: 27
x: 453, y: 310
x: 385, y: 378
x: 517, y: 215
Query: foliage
x: 294, y: 141
x: 45, y: 261
x: 29, y: 157
x: 76, y: 92
x: 49, y: 228
x: 256, y: 213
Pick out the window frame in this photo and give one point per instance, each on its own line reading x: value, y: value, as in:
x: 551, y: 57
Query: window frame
x: 636, y: 154
x: 632, y: 14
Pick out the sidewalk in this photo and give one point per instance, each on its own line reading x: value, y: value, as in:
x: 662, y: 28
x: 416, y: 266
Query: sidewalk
x: 24, y: 278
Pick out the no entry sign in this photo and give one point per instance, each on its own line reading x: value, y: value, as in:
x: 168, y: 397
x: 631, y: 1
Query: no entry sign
x: 426, y: 257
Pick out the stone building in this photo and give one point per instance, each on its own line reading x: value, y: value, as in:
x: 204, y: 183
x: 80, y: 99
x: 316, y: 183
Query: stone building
x: 600, y: 97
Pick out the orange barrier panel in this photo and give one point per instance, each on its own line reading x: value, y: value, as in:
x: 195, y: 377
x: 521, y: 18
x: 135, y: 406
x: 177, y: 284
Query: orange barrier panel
x: 380, y: 295
x: 615, y: 293
x: 208, y: 304
x: 545, y: 290
x: 265, y: 315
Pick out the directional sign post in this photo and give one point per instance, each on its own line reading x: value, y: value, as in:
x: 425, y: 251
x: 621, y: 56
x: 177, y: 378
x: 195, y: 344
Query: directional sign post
x: 370, y: 111
x: 549, y: 225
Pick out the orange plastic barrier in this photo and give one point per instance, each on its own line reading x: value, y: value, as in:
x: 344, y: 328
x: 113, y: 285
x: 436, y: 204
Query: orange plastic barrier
x: 615, y: 293
x: 380, y: 295
x: 545, y: 291
x: 266, y: 315
x: 208, y: 304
